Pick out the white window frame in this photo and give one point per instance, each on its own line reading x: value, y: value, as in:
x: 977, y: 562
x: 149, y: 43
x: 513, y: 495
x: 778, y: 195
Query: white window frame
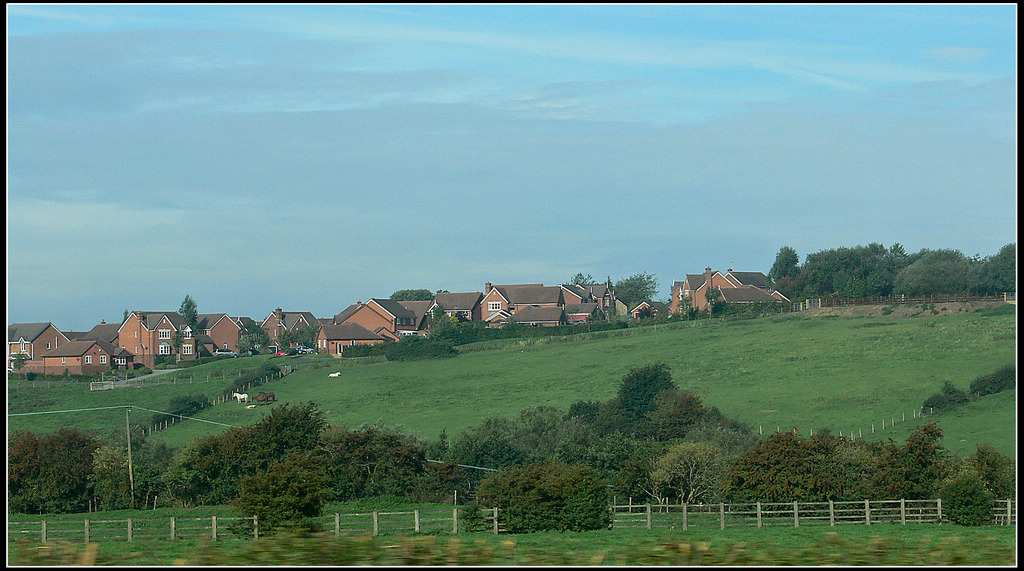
x: 88, y: 359
x: 103, y: 359
x: 493, y: 306
x: 186, y: 349
x: 163, y: 333
x: 165, y: 349
x: 63, y: 360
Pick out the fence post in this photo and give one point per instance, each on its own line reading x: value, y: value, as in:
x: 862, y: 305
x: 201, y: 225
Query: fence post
x: 758, y: 514
x: 416, y: 520
x: 255, y: 526
x: 495, y: 521
x: 455, y: 520
x: 337, y: 524
x: 172, y: 527
x: 831, y: 513
x: 903, y: 511
x: 375, y: 528
x: 213, y: 524
x: 129, y: 529
x: 940, y: 509
x: 87, y: 531
x: 796, y: 515
x: 43, y: 532
x: 721, y: 511
x: 867, y: 512
x: 1009, y: 510
x: 684, y: 517
x: 648, y: 516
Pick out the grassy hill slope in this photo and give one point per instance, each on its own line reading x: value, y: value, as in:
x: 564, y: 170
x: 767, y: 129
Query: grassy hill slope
x: 774, y: 373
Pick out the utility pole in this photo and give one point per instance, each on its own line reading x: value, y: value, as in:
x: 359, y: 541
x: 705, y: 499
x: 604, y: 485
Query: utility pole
x: 128, y: 431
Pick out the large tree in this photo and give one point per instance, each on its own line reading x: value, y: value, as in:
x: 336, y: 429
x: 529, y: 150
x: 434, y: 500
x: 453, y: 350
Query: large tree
x: 636, y: 288
x: 787, y: 264
x: 413, y: 295
x: 190, y: 311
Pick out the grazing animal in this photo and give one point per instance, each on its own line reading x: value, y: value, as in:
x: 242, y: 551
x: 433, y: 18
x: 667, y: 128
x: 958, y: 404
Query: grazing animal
x: 240, y: 397
x: 338, y: 374
x: 265, y: 397
x: 251, y: 406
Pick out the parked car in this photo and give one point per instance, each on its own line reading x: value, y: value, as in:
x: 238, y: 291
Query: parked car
x: 281, y: 354
x: 225, y: 351
x: 301, y: 350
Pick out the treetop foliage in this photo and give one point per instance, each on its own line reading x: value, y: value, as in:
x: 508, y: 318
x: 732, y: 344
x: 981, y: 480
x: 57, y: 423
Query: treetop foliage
x: 413, y: 295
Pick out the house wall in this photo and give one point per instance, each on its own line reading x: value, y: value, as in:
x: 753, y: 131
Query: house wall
x: 493, y: 296
x: 77, y: 365
x: 372, y: 319
x: 48, y: 340
x: 225, y: 334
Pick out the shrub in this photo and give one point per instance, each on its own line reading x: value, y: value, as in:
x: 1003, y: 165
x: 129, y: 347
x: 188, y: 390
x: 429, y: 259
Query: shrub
x: 641, y: 385
x: 1004, y: 379
x: 549, y: 496
x: 965, y: 500
x: 950, y: 397
x: 289, y: 494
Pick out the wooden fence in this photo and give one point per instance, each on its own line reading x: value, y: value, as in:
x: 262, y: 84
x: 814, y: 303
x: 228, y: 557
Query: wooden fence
x: 794, y: 514
x: 820, y: 302
x: 213, y: 527
x: 454, y: 520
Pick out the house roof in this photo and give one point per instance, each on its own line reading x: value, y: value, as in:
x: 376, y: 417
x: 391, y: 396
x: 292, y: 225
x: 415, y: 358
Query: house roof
x: 79, y: 348
x: 533, y: 314
x: 103, y: 331
x: 394, y: 308
x: 209, y: 320
x: 150, y: 319
x: 346, y: 313
x: 580, y: 308
x: 695, y: 280
x: 27, y: 331
x: 292, y: 319
x: 458, y: 301
x: 530, y: 294
x: 746, y: 294
x: 419, y: 310
x: 348, y: 331
x: 757, y: 279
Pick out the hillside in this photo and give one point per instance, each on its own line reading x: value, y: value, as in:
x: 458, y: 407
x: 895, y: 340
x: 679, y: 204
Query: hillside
x: 776, y: 373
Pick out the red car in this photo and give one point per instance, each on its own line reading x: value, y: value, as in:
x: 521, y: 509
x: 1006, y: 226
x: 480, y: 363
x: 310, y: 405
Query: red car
x: 281, y: 354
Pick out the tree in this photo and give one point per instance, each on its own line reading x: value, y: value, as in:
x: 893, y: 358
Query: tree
x: 996, y: 274
x: 580, y: 279
x: 639, y: 387
x: 713, y: 295
x: 291, y: 493
x: 252, y: 337
x: 548, y: 496
x: 691, y: 470
x: 936, y: 272
x: 636, y: 288
x: 413, y: 295
x: 18, y: 361
x: 49, y: 474
x: 787, y: 264
x: 190, y: 311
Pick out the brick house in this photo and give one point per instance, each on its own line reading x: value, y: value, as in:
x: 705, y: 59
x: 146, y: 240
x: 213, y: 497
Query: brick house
x: 501, y: 302
x: 34, y: 340
x: 695, y: 286
x: 103, y: 331
x: 464, y: 306
x: 333, y: 339
x: 222, y: 329
x: 540, y: 316
x: 87, y: 357
x: 420, y: 314
x: 582, y: 312
x: 279, y: 321
x: 600, y: 294
x: 149, y: 335
x: 649, y: 308
x: 385, y: 317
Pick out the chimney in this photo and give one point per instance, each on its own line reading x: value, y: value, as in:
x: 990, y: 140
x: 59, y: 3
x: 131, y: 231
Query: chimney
x: 487, y: 288
x: 279, y: 313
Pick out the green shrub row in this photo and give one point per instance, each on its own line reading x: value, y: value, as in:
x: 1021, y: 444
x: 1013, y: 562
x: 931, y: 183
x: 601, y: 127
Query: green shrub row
x: 1003, y: 379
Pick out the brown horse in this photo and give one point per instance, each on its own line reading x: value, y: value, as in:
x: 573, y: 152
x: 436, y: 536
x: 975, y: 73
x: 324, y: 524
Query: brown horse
x: 265, y: 397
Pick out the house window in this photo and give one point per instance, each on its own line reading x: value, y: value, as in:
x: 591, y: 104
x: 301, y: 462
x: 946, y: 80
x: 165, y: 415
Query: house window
x: 493, y: 306
x: 120, y: 360
x: 103, y: 359
x: 136, y: 333
x: 23, y: 346
x: 186, y: 349
x: 165, y: 333
x: 88, y: 359
x: 165, y: 349
x: 47, y: 344
x: 63, y: 360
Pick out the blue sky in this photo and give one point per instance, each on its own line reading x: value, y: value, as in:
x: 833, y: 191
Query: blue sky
x: 307, y: 157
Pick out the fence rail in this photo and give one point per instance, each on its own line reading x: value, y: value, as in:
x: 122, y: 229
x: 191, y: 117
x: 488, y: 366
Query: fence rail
x: 820, y: 302
x: 454, y: 520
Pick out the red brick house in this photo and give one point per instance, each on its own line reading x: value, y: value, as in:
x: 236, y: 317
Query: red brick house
x: 89, y: 357
x: 333, y: 339
x: 582, y: 312
x: 149, y: 335
x: 222, y: 329
x: 589, y: 293
x: 648, y: 309
x: 385, y: 317
x: 540, y: 316
x: 34, y: 340
x: 279, y: 321
x: 501, y: 302
x: 464, y: 306
x: 420, y: 314
x: 695, y: 286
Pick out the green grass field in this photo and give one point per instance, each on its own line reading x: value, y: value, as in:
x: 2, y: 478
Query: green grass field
x: 773, y: 373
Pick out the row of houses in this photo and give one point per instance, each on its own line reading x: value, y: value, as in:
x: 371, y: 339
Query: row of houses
x: 144, y: 337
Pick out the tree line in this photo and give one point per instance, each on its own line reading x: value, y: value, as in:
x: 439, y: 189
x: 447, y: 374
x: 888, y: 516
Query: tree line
x: 546, y: 469
x: 874, y: 270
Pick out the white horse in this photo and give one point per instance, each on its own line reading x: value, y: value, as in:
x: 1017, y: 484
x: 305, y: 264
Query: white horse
x: 240, y: 397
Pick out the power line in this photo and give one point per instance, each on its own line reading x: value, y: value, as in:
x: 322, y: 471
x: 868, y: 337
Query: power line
x: 182, y: 417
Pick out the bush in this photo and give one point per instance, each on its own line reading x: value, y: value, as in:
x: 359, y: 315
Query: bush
x: 950, y: 397
x: 965, y: 500
x: 1004, y: 379
x: 288, y: 494
x: 549, y: 496
x: 415, y: 347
